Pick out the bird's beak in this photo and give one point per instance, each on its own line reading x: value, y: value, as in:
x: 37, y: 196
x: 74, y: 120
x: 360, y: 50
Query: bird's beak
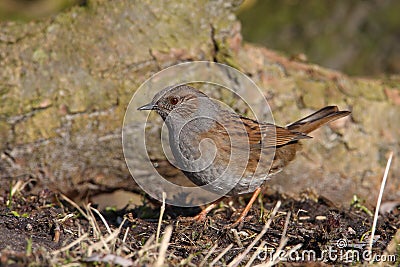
x: 149, y: 106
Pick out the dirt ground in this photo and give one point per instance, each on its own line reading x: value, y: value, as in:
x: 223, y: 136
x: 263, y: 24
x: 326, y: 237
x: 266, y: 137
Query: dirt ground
x: 46, y: 229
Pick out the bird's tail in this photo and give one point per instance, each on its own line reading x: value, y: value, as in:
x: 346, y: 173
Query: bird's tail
x: 317, y: 119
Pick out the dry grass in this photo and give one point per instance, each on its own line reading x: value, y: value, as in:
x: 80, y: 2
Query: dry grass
x: 87, y: 236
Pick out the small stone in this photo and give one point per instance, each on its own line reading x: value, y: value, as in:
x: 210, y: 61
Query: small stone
x: 351, y: 231
x: 29, y: 227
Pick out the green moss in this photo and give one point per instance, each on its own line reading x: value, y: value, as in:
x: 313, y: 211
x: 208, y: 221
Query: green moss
x: 40, y: 56
x: 370, y: 89
x: 334, y: 96
x: 42, y: 125
x: 313, y: 93
x: 10, y: 104
x: 5, y: 129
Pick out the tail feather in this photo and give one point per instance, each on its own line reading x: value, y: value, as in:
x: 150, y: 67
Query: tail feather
x: 317, y: 119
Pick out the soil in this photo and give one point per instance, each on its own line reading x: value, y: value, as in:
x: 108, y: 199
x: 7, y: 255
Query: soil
x: 35, y: 227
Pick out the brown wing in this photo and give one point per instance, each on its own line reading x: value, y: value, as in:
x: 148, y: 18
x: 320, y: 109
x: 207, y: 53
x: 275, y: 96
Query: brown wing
x: 269, y: 135
x: 256, y: 140
x: 263, y: 139
x: 246, y: 134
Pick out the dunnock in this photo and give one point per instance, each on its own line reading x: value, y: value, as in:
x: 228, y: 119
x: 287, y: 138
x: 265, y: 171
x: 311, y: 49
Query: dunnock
x: 224, y: 152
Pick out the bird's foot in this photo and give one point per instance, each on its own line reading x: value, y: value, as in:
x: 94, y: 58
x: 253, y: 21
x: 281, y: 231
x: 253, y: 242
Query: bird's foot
x: 202, y: 216
x: 246, y: 210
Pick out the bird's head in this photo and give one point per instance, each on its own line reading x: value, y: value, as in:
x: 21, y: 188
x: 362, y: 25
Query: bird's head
x: 181, y: 100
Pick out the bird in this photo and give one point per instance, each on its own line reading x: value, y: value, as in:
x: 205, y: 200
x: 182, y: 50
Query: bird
x: 225, y: 152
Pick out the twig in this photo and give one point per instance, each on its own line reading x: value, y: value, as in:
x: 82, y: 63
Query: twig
x: 66, y: 217
x: 276, y: 257
x: 160, y: 218
x: 75, y: 206
x: 378, y: 204
x: 57, y: 233
x: 392, y: 247
x: 102, y: 219
x: 208, y: 255
x: 67, y: 247
x: 241, y: 256
x: 260, y: 202
x: 256, y: 254
x: 125, y: 235
x: 220, y: 255
x: 103, y: 242
x: 146, y: 247
x: 164, y: 244
x: 119, y: 231
x: 93, y: 222
x: 237, y: 238
x: 286, y: 225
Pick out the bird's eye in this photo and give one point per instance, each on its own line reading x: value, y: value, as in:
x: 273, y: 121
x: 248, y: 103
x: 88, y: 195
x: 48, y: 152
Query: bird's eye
x: 174, y: 100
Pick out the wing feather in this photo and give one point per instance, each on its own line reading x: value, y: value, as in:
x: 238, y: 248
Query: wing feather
x: 265, y: 135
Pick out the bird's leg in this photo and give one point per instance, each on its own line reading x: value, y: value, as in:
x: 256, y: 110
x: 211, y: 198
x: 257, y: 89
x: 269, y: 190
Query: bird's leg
x: 246, y: 210
x: 203, y: 214
x: 201, y: 217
